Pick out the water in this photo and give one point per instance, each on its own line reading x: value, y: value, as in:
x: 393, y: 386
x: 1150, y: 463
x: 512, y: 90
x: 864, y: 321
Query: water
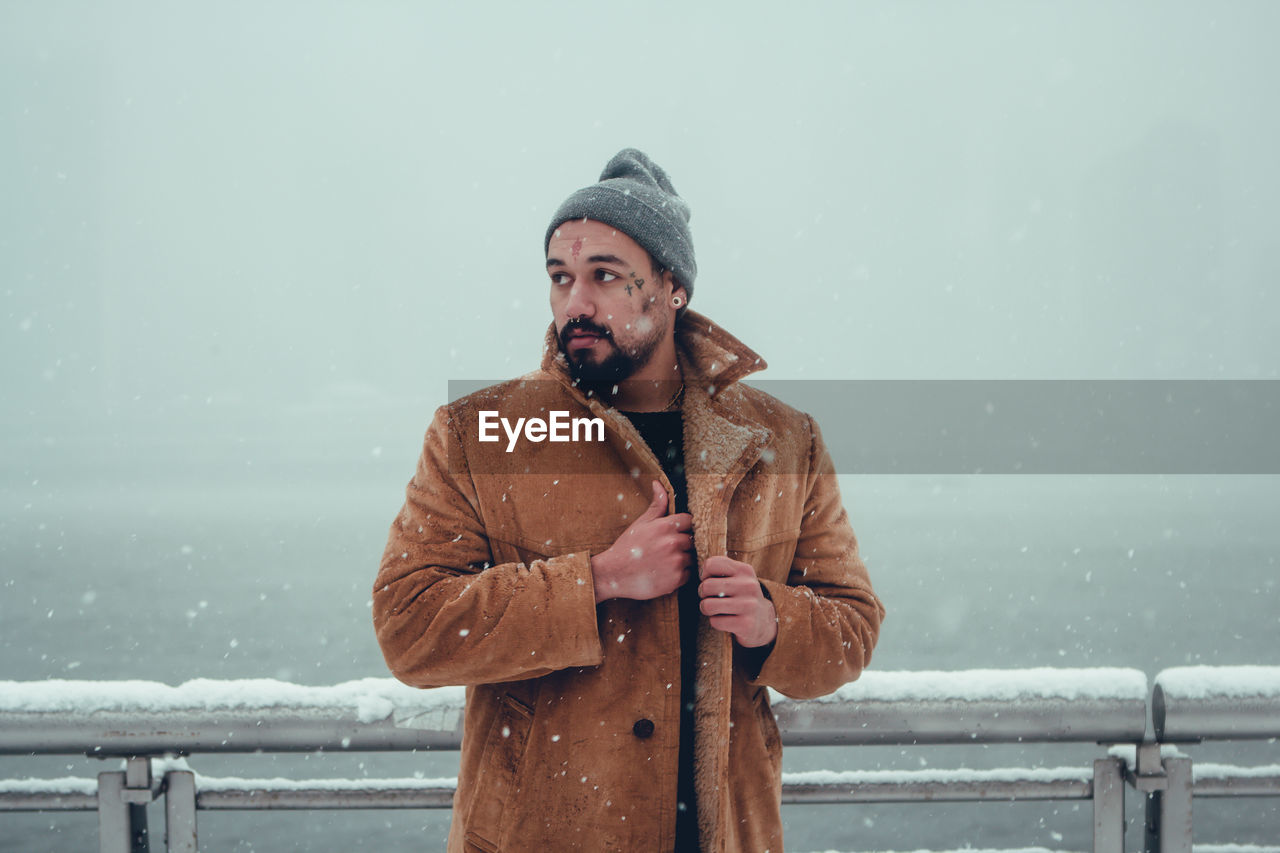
x: 174, y: 577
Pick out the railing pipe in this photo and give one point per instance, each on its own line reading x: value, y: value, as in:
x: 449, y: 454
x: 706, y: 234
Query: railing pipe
x: 1225, y: 780
x: 68, y: 794
x: 890, y: 786
x: 1194, y: 703
x: 974, y: 706
x: 251, y: 794
x: 146, y: 718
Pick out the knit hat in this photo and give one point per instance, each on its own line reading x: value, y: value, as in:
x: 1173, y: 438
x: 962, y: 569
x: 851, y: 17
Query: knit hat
x: 635, y: 196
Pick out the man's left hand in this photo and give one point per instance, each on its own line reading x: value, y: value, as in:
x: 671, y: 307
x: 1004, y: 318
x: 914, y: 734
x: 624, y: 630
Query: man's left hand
x: 732, y: 597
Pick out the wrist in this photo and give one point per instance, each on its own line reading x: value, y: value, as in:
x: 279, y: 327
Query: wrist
x: 768, y: 626
x: 602, y: 576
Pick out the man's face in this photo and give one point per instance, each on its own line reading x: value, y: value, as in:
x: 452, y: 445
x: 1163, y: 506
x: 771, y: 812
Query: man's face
x: 610, y: 314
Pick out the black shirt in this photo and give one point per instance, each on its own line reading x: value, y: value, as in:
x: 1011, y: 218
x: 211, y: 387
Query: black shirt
x: 664, y: 433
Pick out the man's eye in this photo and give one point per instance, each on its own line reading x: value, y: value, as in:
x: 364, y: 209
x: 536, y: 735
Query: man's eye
x: 605, y: 275
x: 559, y: 278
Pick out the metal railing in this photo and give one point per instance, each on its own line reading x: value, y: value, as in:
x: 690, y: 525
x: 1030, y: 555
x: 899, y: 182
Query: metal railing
x: 1191, y: 705
x: 147, y: 724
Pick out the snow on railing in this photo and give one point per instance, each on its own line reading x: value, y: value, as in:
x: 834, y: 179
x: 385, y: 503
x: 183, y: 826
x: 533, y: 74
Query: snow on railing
x: 1193, y: 703
x: 205, y: 715
x: 66, y: 793
x: 370, y: 699
x: 974, y: 706
x: 961, y: 784
x: 1006, y: 685
x: 1229, y: 780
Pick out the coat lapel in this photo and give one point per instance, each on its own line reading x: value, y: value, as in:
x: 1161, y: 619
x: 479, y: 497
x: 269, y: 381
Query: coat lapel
x: 720, y: 447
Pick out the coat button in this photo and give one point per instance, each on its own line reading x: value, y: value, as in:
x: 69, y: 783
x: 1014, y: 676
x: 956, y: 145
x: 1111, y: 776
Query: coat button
x: 642, y: 729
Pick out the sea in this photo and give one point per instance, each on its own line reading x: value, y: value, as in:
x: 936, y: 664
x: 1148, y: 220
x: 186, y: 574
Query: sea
x: 265, y: 571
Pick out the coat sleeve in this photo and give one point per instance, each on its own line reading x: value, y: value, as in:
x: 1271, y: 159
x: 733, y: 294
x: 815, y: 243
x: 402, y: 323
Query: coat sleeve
x: 444, y: 616
x: 828, y: 615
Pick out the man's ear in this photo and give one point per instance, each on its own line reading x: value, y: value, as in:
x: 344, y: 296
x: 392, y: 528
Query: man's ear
x: 669, y: 280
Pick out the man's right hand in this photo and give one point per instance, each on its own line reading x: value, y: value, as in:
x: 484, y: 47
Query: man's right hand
x: 651, y: 558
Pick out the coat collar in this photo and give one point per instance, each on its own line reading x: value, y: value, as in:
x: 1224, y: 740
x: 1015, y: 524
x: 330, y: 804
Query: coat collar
x: 709, y: 355
x: 721, y: 441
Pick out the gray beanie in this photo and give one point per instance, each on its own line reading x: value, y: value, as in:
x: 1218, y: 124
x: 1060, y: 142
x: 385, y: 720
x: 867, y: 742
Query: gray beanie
x: 635, y: 196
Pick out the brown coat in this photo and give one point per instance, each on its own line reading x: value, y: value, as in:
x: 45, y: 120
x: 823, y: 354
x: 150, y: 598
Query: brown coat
x: 486, y: 582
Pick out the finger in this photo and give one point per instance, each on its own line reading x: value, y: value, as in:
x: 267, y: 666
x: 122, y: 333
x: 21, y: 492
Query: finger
x: 728, y: 624
x: 683, y: 521
x: 711, y: 607
x: 684, y: 542
x: 736, y: 586
x: 723, y: 606
x: 713, y: 588
x: 658, y: 506
x: 723, y: 567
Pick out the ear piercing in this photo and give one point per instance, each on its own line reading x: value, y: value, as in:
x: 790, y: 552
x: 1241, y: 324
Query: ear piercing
x: 676, y: 302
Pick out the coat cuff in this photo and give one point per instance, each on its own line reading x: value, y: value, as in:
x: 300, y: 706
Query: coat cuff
x: 789, y: 656
x: 576, y: 594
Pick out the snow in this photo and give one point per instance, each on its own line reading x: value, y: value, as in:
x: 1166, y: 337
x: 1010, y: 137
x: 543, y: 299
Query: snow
x: 1129, y: 754
x: 1005, y: 850
x: 65, y: 785
x: 1208, y: 771
x: 977, y: 685
x: 370, y: 700
x: 69, y: 785
x: 370, y: 709
x: 940, y: 776
x: 233, y: 783
x: 1203, y: 682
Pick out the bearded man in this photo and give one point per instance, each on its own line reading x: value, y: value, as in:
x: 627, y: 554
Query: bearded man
x: 618, y: 607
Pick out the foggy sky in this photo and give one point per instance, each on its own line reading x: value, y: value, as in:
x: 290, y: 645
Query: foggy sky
x: 235, y: 214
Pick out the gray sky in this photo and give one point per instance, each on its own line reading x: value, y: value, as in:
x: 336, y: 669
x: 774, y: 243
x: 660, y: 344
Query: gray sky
x: 248, y: 211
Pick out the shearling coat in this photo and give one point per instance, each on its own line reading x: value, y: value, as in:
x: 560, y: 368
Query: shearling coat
x: 486, y: 582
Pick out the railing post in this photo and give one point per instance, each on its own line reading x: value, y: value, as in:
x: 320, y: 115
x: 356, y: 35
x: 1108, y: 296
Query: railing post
x: 122, y: 808
x: 115, y: 834
x: 1108, y: 805
x: 180, y: 812
x: 137, y: 793
x: 1168, y: 819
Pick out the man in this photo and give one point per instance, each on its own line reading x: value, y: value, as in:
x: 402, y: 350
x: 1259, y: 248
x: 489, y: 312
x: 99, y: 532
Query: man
x: 617, y: 607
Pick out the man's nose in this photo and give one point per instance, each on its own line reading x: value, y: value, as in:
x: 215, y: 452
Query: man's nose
x: 579, y: 303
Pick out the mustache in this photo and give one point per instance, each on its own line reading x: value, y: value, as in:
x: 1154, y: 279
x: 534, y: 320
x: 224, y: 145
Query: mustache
x: 581, y: 324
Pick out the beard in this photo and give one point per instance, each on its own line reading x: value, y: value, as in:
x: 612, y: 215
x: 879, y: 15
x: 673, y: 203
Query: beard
x: 619, y: 364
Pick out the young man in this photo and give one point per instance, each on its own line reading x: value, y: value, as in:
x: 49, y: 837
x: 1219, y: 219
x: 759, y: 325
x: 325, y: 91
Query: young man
x: 617, y: 600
